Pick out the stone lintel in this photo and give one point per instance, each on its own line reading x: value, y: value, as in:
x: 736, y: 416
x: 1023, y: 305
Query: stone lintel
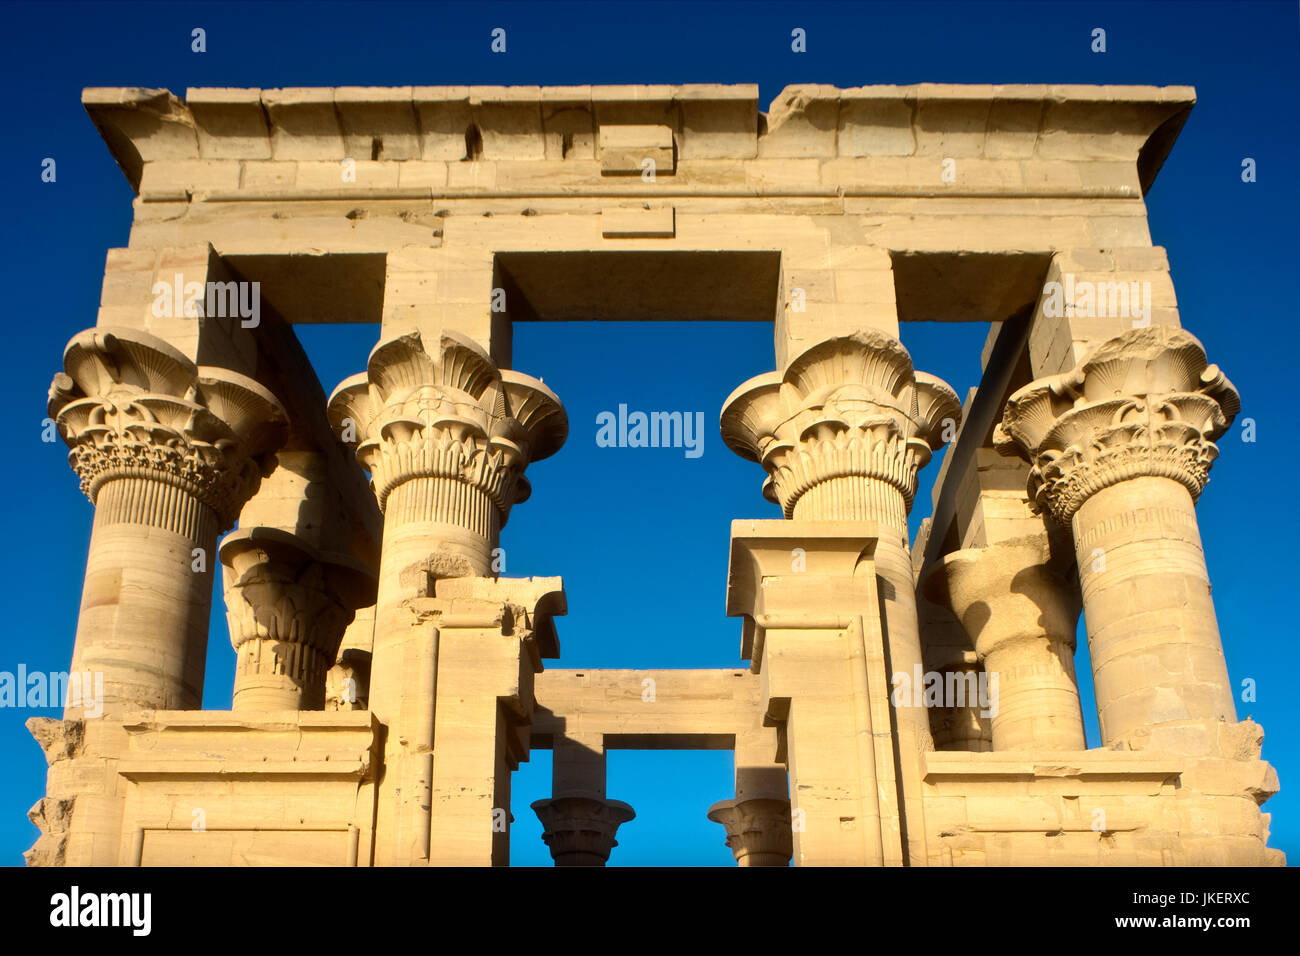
x: 676, y: 710
x: 1084, y: 765
x: 217, y: 743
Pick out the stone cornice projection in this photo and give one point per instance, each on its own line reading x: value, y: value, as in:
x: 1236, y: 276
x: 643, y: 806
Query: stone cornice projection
x: 871, y: 132
x: 449, y: 416
x: 131, y: 406
x: 1144, y: 403
x: 847, y: 407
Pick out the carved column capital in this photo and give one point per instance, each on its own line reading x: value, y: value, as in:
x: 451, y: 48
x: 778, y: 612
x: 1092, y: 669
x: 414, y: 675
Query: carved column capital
x: 1019, y: 602
x: 758, y: 829
x: 580, y: 828
x: 131, y: 406
x: 1012, y: 591
x: 287, y: 606
x: 846, y: 409
x: 449, y: 415
x: 1143, y: 404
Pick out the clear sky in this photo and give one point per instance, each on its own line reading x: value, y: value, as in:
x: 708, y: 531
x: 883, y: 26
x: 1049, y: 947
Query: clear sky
x: 640, y: 535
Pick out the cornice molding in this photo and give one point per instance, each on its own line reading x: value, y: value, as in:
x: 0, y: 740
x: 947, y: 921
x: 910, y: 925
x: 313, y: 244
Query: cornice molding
x: 1134, y: 124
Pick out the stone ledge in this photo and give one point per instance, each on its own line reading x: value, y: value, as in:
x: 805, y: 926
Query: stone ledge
x: 1084, y: 764
x: 153, y: 769
x: 227, y: 744
x: 147, y: 721
x: 1131, y: 124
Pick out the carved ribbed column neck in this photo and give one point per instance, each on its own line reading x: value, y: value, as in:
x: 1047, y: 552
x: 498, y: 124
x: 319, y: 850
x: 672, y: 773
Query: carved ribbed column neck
x: 445, y: 500
x: 157, y: 504
x: 847, y: 416
x: 580, y: 828
x: 450, y: 417
x: 1143, y: 404
x: 758, y: 829
x: 131, y: 407
x: 287, y: 605
x: 849, y: 497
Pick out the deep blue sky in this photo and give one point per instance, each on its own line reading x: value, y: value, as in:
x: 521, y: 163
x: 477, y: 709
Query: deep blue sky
x: 640, y: 535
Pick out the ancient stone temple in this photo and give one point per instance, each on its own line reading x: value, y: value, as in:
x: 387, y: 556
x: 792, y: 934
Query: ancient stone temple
x: 894, y: 702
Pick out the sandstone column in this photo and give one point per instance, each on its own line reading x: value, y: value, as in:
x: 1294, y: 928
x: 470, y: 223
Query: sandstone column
x: 287, y: 606
x: 446, y: 438
x: 842, y: 434
x: 1021, y: 612
x: 950, y: 653
x: 1121, y: 448
x: 168, y: 453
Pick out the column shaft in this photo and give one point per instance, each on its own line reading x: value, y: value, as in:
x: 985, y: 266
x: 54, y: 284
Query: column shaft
x: 418, y: 546
x: 277, y: 675
x: 144, y: 609
x: 1037, y: 699
x: 1018, y: 603
x: 1152, y: 631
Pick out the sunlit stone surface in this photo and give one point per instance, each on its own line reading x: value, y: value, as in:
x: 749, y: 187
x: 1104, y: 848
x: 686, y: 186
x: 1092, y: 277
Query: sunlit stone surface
x: 895, y: 701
